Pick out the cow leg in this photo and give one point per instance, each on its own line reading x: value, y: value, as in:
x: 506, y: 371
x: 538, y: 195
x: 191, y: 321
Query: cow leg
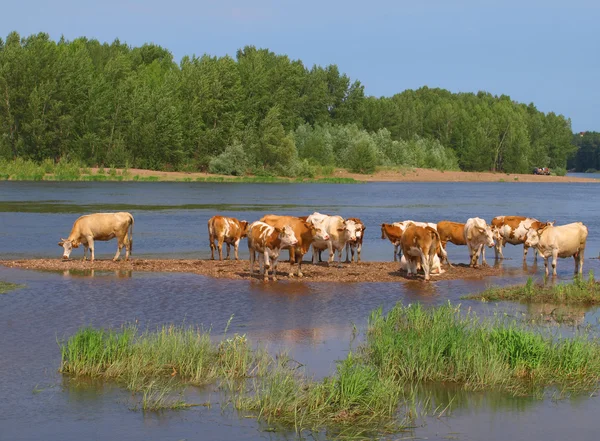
x: 339, y: 253
x: 220, y: 247
x: 292, y: 251
x: 252, y: 259
x: 299, y: 258
x: 85, y: 248
x: 554, y: 259
x: 396, y: 253
x: 331, y: 253
x: 212, y: 248
x: 358, y: 250
x: 119, y: 248
x: 546, y: 265
x: 267, y: 259
x: 90, y: 242
x: 236, y: 246
x: 228, y: 250
x: 581, y: 253
x: 274, y: 268
x: 498, y: 249
x: 425, y: 266
x: 261, y: 266
x: 348, y: 248
x: 483, y: 261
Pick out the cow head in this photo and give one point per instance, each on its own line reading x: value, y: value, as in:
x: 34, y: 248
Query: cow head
x: 68, y: 246
x: 533, y: 237
x: 383, y: 235
x: 244, y: 228
x: 287, y: 236
x: 349, y: 229
x: 317, y: 231
x: 488, y: 235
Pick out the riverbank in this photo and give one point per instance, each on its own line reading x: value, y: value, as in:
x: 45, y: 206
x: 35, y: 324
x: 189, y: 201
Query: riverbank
x: 240, y: 270
x: 29, y: 171
x: 344, y: 176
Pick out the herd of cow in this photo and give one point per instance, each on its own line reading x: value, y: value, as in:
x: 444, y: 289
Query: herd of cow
x: 422, y: 245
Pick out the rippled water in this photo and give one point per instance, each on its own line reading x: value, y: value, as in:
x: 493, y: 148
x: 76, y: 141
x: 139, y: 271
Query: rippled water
x: 314, y: 321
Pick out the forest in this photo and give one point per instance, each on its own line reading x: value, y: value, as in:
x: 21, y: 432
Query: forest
x: 113, y: 105
x: 587, y: 156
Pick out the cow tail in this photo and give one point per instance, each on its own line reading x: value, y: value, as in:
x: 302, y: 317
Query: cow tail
x: 131, y: 235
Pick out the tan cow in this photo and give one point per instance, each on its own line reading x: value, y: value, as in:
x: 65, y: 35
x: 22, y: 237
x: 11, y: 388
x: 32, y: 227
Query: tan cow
x: 419, y: 245
x: 305, y: 233
x: 562, y: 241
x: 513, y: 230
x: 453, y: 232
x: 478, y: 234
x: 227, y: 230
x: 268, y: 241
x: 353, y: 246
x: 100, y: 226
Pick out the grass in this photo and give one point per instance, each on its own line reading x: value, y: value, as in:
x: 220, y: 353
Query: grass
x: 578, y: 292
x: 417, y: 345
x: 373, y: 390
x: 7, y: 286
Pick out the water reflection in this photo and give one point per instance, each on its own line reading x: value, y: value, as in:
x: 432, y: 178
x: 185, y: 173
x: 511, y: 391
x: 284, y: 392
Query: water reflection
x: 120, y: 274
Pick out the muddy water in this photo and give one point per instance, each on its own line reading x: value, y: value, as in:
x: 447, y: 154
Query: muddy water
x: 313, y: 321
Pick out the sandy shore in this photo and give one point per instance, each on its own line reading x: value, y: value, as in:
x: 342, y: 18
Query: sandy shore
x: 407, y: 175
x: 240, y: 270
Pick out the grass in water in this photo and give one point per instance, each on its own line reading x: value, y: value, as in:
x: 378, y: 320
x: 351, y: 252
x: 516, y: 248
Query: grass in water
x: 446, y: 344
x: 7, y: 286
x: 578, y: 292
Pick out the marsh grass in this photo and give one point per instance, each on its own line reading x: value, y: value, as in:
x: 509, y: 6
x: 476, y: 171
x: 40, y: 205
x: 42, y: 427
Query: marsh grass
x: 8, y: 286
x: 579, y: 292
x: 445, y: 344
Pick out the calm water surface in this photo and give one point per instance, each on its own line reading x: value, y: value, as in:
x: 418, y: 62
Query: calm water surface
x: 314, y: 321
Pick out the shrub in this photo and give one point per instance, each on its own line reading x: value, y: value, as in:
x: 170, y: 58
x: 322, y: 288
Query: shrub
x: 233, y: 161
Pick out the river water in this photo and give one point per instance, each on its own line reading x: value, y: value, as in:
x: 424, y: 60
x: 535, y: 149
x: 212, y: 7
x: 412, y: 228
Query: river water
x: 312, y: 320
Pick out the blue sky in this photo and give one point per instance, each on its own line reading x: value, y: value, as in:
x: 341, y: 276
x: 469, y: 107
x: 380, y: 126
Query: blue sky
x: 544, y: 52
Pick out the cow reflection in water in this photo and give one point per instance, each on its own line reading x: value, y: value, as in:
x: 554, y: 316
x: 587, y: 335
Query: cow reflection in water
x: 120, y: 274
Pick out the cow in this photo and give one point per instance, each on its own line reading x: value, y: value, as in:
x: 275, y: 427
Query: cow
x: 305, y: 233
x: 453, y: 232
x: 477, y: 235
x: 268, y: 241
x: 353, y: 246
x: 420, y: 245
x: 227, y: 230
x: 339, y: 231
x: 100, y: 226
x: 393, y: 232
x: 561, y: 241
x: 513, y: 230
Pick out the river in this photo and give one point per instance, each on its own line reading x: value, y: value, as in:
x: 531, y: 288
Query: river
x: 313, y: 320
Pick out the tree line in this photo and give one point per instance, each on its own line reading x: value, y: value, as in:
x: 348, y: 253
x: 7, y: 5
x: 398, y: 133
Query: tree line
x: 587, y: 156
x: 260, y: 112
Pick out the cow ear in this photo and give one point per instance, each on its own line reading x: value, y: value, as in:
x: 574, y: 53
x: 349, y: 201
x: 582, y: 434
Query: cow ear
x: 61, y: 243
x: 277, y: 230
x: 75, y: 244
x: 364, y: 228
x: 341, y: 229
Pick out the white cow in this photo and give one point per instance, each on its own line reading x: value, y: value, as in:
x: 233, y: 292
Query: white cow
x: 562, y: 241
x: 478, y: 234
x: 339, y: 230
x: 100, y: 226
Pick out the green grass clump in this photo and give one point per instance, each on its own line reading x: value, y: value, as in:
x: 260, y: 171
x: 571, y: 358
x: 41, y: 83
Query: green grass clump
x: 356, y: 401
x: 578, y: 292
x: 414, y: 344
x: 7, y: 286
x: 127, y: 356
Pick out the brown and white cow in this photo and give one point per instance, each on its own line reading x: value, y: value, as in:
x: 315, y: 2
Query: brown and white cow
x: 393, y: 233
x: 478, y: 235
x: 305, y: 233
x: 420, y: 245
x: 561, y: 241
x: 227, y: 230
x: 513, y: 230
x: 355, y: 246
x: 339, y: 231
x: 268, y: 241
x: 100, y: 226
